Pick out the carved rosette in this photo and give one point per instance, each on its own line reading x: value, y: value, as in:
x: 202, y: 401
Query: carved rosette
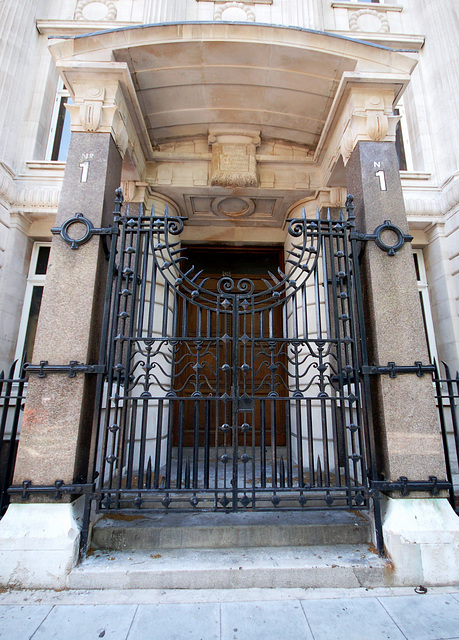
x: 234, y: 162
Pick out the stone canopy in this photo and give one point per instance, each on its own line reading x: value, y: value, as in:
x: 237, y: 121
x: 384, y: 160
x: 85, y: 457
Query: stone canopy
x: 176, y: 87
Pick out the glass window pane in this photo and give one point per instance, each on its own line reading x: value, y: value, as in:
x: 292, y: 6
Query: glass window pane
x: 35, y: 304
x: 42, y: 261
x: 62, y: 138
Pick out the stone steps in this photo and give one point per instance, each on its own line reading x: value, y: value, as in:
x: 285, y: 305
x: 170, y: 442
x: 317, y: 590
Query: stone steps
x: 231, y: 550
x: 344, y: 566
x: 230, y: 530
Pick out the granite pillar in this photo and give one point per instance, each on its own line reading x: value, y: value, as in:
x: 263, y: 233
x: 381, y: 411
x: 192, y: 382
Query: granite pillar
x: 58, y: 415
x: 408, y: 440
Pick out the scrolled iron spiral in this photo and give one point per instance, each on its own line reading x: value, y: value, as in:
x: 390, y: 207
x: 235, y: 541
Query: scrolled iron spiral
x: 246, y: 286
x: 297, y: 227
x: 225, y: 285
x: 174, y: 226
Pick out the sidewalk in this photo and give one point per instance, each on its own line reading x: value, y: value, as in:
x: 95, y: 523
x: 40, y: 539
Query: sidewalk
x: 239, y: 614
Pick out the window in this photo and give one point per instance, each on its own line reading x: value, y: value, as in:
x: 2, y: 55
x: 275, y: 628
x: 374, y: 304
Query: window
x: 402, y: 143
x: 32, y: 300
x: 421, y: 278
x: 59, y: 135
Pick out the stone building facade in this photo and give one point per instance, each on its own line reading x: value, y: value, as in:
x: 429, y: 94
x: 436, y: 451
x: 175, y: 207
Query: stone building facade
x: 237, y: 116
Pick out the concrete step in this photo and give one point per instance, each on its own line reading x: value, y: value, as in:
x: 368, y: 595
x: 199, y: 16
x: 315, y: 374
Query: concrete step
x: 344, y: 566
x: 230, y: 530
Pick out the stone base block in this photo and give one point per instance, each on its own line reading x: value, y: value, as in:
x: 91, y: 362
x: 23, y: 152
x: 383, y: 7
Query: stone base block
x: 422, y: 539
x: 39, y: 545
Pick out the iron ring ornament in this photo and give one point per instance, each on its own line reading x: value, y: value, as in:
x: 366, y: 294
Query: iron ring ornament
x: 90, y: 231
x: 377, y: 236
x: 391, y: 249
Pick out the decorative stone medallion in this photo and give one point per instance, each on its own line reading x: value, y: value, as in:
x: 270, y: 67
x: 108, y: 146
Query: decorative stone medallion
x: 369, y: 20
x: 234, y: 12
x: 95, y: 10
x: 233, y: 206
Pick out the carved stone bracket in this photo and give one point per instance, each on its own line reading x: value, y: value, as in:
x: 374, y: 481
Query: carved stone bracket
x: 234, y: 162
x: 370, y: 118
x: 100, y: 108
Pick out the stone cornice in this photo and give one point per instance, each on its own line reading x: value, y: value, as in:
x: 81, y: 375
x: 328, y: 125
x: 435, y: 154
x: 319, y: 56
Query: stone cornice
x: 393, y: 40
x: 29, y: 192
x: 68, y: 28
x: 370, y: 5
x: 7, y: 186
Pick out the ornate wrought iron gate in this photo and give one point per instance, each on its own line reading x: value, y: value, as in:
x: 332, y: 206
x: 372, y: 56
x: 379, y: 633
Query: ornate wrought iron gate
x: 277, y: 418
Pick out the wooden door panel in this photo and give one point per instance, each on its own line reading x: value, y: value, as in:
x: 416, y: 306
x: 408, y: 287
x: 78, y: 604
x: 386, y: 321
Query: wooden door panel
x: 215, y: 352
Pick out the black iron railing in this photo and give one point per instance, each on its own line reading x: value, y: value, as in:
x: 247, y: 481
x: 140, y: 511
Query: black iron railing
x: 447, y: 393
x: 12, y: 396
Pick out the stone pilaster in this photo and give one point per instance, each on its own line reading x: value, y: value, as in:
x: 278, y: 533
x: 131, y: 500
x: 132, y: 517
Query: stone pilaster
x: 408, y: 439
x: 57, y: 419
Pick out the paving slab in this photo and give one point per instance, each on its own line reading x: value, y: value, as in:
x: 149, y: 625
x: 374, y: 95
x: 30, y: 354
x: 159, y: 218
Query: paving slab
x: 424, y: 618
x: 176, y: 622
x: 267, y: 620
x: 86, y: 622
x: 350, y: 619
x: 19, y: 622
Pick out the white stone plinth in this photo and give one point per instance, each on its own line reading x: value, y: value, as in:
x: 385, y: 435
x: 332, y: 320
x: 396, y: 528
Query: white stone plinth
x: 39, y: 544
x: 422, y: 540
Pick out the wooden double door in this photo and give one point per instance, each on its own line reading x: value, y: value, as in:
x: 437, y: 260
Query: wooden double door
x: 229, y: 380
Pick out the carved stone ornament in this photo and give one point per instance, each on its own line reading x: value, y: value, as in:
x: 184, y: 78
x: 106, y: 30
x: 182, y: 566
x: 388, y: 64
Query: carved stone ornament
x: 91, y: 115
x: 96, y: 10
x: 220, y: 12
x: 234, y: 162
x: 129, y: 190
x: 369, y: 20
x: 369, y: 117
x: 377, y: 126
x: 233, y: 206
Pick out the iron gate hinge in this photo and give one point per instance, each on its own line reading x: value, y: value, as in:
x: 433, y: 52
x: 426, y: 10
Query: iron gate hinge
x: 405, y: 486
x: 79, y: 219
x: 70, y: 369
x: 393, y: 370
x: 387, y: 225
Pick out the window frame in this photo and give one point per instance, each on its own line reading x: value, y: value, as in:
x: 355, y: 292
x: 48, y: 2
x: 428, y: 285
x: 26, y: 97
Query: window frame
x: 405, y: 138
x: 61, y: 94
x: 33, y: 280
x: 423, y: 289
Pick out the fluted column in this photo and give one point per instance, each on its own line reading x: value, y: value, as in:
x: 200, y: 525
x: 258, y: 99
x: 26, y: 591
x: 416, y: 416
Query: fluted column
x: 18, y: 36
x: 439, y: 21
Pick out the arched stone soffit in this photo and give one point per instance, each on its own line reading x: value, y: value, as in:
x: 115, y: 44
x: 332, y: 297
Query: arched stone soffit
x: 281, y: 81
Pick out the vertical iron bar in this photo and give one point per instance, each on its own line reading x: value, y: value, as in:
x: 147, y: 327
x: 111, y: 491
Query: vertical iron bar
x: 444, y: 433
x: 235, y: 396
x: 368, y: 413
